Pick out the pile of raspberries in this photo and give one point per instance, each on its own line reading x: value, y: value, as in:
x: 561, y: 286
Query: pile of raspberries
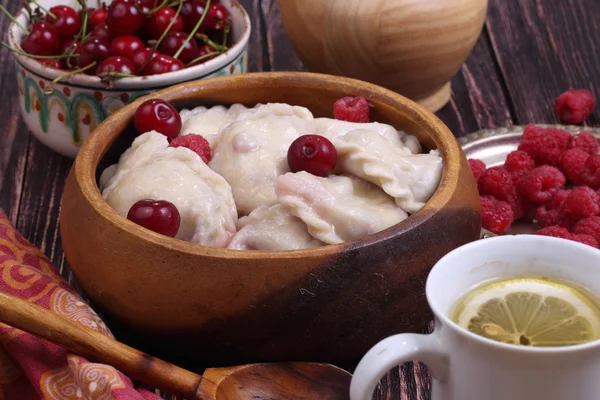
x: 553, y: 178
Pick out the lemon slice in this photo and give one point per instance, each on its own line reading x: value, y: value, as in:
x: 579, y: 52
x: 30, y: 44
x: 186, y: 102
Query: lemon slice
x: 530, y: 312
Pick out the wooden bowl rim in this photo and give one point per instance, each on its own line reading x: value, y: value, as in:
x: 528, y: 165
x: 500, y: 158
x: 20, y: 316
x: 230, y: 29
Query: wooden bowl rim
x: 94, y: 148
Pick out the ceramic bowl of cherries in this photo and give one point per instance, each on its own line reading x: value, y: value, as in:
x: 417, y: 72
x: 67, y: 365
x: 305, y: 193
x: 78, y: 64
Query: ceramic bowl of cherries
x: 78, y: 63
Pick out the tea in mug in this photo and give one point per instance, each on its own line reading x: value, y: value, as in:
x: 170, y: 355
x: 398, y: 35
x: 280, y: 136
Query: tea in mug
x: 536, y: 312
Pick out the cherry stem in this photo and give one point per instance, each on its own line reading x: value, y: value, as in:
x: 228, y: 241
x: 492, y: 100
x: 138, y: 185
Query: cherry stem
x: 33, y: 55
x: 161, y: 5
x: 41, y: 7
x: 116, y: 75
x: 202, y: 57
x: 206, y: 40
x: 226, y: 30
x: 81, y: 35
x: 50, y: 88
x: 193, y: 32
x: 162, y: 36
x: 28, y: 9
x: 5, y: 11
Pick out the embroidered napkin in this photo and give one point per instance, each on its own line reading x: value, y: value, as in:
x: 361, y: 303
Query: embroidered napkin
x: 33, y: 368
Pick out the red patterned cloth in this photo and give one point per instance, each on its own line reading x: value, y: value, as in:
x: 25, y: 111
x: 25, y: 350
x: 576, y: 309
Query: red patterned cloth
x: 33, y: 368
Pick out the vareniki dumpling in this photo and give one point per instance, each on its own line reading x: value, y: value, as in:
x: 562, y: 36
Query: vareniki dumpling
x: 333, y: 128
x: 252, y: 151
x: 271, y: 229
x: 337, y: 209
x: 152, y: 170
x: 208, y: 121
x: 410, y: 178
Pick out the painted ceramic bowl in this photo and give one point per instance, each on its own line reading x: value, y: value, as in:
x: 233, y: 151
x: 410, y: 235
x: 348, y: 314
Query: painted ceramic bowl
x: 326, y: 304
x: 65, y: 118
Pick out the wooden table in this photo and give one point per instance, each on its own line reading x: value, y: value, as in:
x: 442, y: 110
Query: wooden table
x: 529, y: 52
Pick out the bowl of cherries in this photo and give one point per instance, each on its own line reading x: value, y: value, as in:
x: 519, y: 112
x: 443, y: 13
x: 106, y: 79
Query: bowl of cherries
x: 78, y: 63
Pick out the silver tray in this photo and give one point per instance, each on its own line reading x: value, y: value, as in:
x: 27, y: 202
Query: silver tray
x: 493, y: 145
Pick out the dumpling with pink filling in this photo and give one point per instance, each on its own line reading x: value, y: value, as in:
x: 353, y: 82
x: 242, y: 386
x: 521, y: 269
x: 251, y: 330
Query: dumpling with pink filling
x: 252, y: 151
x: 272, y: 228
x: 337, y: 209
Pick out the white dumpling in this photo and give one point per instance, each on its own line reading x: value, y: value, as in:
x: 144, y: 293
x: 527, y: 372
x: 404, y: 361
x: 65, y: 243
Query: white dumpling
x: 333, y: 128
x: 337, y: 209
x: 272, y: 228
x: 410, y: 178
x: 252, y: 151
x: 177, y: 175
x: 208, y: 121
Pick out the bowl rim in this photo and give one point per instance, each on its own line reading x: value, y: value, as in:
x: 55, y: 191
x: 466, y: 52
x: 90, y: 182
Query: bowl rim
x: 96, y: 146
x: 158, y: 81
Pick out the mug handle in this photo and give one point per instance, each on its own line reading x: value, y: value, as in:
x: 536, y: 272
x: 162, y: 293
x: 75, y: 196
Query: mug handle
x: 396, y: 350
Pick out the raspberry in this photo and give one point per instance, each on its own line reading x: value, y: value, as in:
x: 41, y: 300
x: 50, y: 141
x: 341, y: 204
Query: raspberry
x: 591, y: 172
x: 544, y: 145
x: 585, y: 239
x: 194, y: 142
x: 572, y: 164
x: 555, y: 231
x: 496, y: 215
x: 588, y: 226
x: 540, y: 184
x: 582, y: 203
x: 575, y: 105
x: 497, y: 182
x: 519, y: 161
x: 352, y: 109
x: 585, y: 141
x: 477, y: 167
x: 553, y: 216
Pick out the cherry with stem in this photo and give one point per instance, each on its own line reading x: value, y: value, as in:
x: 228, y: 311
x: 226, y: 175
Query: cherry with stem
x: 22, y: 53
x: 193, y: 32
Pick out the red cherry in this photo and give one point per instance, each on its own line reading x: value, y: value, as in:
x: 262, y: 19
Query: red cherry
x: 191, y: 12
x: 312, y: 153
x: 98, y: 17
x: 43, y: 40
x: 146, y: 5
x: 159, y: 216
x: 67, y: 48
x: 101, y: 32
x: 160, y: 20
x: 204, y: 50
x: 127, y: 46
x: 124, y: 18
x: 163, y: 64
x: 140, y: 57
x: 216, y: 18
x: 50, y: 62
x: 116, y: 64
x: 158, y: 115
x: 67, y: 22
x: 173, y: 42
x: 94, y: 49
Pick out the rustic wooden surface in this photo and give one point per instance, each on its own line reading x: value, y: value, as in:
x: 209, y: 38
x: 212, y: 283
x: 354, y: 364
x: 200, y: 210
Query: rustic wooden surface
x: 529, y: 52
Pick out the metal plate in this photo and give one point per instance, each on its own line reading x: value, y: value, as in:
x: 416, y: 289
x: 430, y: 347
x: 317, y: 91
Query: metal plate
x: 493, y: 145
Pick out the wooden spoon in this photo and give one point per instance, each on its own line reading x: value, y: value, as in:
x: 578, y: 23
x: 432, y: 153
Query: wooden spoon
x: 252, y: 381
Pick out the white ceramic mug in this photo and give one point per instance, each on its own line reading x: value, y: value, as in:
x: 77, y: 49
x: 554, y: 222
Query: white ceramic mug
x: 466, y: 366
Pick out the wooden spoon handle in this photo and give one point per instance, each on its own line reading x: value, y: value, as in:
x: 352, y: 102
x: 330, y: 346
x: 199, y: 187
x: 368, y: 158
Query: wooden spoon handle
x: 77, y: 338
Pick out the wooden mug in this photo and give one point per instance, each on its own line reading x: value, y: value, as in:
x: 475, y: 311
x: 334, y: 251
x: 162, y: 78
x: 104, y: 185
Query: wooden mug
x: 413, y: 47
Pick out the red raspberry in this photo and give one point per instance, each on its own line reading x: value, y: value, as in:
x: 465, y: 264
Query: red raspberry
x: 539, y: 185
x: 553, y: 216
x: 196, y: 143
x: 585, y: 141
x: 588, y: 226
x: 555, y: 231
x: 497, y: 182
x: 582, y: 203
x: 352, y: 109
x: 496, y: 215
x: 477, y: 167
x: 575, y: 105
x: 572, y: 164
x: 519, y: 161
x: 591, y: 172
x: 544, y: 145
x: 585, y: 239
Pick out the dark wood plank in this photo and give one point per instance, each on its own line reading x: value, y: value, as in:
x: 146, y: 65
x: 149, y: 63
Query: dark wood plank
x: 282, y: 56
x: 544, y: 48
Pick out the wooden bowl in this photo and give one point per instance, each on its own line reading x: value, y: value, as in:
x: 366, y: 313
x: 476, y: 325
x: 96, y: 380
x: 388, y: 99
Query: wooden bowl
x: 223, y: 306
x: 413, y: 47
